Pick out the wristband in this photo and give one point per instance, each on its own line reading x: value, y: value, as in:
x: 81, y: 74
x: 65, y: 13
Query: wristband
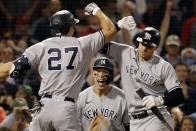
x: 117, y: 27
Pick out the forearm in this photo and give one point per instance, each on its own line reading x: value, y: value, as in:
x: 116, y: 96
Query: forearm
x: 165, y: 24
x: 174, y: 97
x: 107, y: 26
x: 5, y: 69
x: 126, y: 37
x: 32, y: 8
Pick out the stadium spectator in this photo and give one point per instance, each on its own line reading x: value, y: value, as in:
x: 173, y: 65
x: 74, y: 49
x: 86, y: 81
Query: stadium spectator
x: 16, y: 13
x: 187, y: 124
x: 2, y: 114
x: 172, y: 49
x: 41, y: 27
x: 177, y: 115
x: 189, y: 56
x: 182, y: 72
x: 17, y: 120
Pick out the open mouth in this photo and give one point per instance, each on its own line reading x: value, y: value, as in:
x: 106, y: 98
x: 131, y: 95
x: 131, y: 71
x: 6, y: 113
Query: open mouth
x: 101, y: 82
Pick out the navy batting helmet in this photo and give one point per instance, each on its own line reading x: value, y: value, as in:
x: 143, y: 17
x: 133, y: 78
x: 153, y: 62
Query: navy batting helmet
x: 104, y: 62
x: 149, y: 36
x: 61, y: 22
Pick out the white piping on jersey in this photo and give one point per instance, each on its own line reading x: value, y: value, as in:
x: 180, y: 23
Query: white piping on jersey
x: 174, y: 88
x: 108, y: 49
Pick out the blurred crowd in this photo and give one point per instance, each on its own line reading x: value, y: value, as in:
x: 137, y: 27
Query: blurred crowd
x: 26, y: 22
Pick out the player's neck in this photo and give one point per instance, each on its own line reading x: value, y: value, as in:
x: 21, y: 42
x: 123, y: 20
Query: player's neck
x: 69, y: 34
x: 145, y: 58
x: 101, y: 92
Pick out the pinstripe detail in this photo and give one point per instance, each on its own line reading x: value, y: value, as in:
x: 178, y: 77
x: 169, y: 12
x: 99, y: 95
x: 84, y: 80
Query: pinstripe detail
x: 174, y: 88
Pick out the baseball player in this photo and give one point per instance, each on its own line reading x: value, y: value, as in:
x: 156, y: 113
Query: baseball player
x: 102, y: 107
x: 62, y: 62
x: 141, y: 68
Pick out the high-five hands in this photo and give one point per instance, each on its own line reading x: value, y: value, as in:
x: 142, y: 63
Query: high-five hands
x: 91, y: 9
x: 127, y: 23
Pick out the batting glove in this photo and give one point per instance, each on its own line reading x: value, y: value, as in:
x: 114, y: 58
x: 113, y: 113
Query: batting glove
x: 151, y: 101
x: 91, y: 9
x: 127, y: 23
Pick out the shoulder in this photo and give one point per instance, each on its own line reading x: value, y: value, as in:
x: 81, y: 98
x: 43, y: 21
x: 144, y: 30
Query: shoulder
x: 163, y: 65
x: 91, y: 36
x: 37, y: 45
x: 118, y: 91
x: 161, y: 61
x: 86, y: 92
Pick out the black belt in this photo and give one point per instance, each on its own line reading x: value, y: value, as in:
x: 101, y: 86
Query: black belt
x: 140, y: 115
x: 65, y: 99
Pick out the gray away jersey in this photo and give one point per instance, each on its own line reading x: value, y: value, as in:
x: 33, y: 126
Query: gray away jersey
x: 63, y: 62
x: 154, y: 76
x: 112, y: 107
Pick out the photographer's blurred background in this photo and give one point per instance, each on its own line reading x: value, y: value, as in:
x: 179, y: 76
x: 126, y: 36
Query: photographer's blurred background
x: 26, y: 22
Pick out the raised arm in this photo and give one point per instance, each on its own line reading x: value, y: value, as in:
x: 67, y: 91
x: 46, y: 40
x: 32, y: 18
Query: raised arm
x: 165, y: 22
x: 107, y: 27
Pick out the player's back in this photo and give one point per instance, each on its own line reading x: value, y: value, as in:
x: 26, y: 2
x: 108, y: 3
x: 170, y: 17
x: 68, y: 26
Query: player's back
x: 61, y: 66
x: 63, y: 62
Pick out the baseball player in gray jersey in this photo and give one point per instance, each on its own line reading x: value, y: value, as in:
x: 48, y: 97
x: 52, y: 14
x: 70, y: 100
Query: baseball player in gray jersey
x: 141, y: 68
x: 62, y: 62
x: 102, y: 107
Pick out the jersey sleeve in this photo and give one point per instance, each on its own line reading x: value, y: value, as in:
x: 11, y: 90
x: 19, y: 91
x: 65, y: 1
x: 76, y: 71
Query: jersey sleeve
x: 92, y: 43
x: 171, y: 81
x: 114, y: 50
x: 125, y: 117
x: 80, y: 105
x: 33, y: 53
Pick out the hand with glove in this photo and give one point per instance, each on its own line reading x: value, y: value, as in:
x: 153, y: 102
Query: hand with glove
x: 91, y: 9
x: 127, y: 23
x: 151, y: 101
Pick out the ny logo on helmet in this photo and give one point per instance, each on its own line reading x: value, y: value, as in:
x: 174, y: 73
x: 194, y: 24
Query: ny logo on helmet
x: 147, y: 36
x: 56, y: 20
x: 102, y: 61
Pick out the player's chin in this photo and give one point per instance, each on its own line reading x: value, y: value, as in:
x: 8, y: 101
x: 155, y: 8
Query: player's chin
x: 101, y: 85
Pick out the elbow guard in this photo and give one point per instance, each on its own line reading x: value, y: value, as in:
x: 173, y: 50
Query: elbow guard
x: 174, y: 97
x: 19, y: 66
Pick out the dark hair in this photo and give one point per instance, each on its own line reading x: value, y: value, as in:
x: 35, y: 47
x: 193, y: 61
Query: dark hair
x: 190, y: 118
x: 181, y: 64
